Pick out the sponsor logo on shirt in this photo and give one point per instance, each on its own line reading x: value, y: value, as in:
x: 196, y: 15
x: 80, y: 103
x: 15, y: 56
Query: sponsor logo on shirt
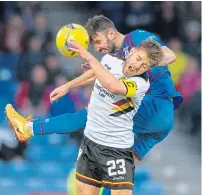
x: 103, y: 92
x: 107, y: 67
x: 118, y: 178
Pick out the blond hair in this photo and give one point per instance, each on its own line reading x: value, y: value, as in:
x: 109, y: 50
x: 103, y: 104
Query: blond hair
x: 153, y: 50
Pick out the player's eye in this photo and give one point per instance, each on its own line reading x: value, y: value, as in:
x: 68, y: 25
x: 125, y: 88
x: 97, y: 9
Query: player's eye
x: 139, y: 58
x: 144, y: 66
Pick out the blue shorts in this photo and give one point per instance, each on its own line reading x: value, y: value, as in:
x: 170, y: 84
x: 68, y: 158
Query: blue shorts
x: 152, y: 123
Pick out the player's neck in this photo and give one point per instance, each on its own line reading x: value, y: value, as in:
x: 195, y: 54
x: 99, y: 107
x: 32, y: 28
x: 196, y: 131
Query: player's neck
x: 119, y: 40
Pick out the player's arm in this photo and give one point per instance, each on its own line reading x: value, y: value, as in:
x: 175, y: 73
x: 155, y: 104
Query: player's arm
x: 119, y: 87
x: 77, y: 82
x: 91, y: 80
x: 81, y: 80
x: 108, y: 81
x: 168, y: 56
x: 126, y: 87
x: 141, y: 35
x: 84, y: 79
x: 104, y: 76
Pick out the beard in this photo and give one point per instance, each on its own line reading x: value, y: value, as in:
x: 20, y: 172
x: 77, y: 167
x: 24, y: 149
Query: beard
x: 111, y: 45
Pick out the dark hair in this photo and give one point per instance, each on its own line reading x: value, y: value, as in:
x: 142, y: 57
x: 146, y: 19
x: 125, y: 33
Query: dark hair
x: 98, y: 23
x: 153, y: 50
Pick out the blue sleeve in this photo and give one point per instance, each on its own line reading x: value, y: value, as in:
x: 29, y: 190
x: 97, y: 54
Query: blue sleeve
x: 141, y: 35
x: 145, y: 142
x: 65, y: 123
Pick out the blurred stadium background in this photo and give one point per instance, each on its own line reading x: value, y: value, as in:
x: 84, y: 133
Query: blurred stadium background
x: 30, y: 67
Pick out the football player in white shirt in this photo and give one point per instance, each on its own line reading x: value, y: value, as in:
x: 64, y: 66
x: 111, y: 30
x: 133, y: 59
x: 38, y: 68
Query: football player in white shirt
x: 105, y: 157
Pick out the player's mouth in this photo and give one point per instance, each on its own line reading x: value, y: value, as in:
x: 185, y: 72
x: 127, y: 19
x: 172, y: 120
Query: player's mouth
x: 126, y: 71
x: 104, y: 51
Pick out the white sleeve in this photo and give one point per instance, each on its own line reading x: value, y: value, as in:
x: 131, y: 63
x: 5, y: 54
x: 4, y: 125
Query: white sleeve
x: 103, y: 60
x: 142, y: 85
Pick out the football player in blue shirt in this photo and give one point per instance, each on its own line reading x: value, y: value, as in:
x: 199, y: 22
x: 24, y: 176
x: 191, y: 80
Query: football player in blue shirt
x: 155, y: 117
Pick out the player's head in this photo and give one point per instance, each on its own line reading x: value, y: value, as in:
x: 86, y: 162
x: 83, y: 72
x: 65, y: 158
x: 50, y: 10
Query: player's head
x: 143, y: 57
x: 102, y: 33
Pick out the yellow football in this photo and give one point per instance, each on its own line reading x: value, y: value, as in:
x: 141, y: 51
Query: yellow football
x: 71, y: 31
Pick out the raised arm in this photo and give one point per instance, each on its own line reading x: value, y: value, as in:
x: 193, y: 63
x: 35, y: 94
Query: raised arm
x: 104, y: 76
x: 86, y: 82
x: 84, y: 79
x: 141, y: 35
x: 126, y: 87
x: 168, y: 56
x: 107, y: 80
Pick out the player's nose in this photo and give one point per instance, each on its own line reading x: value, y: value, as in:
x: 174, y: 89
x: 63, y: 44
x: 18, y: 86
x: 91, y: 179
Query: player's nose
x: 135, y: 68
x: 131, y: 68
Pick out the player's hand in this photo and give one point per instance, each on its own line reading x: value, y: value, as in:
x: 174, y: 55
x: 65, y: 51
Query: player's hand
x: 59, y: 92
x: 86, y: 66
x: 76, y: 47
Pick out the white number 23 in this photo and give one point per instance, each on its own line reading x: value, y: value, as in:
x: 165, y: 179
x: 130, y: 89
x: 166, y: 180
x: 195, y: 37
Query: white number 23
x: 113, y: 171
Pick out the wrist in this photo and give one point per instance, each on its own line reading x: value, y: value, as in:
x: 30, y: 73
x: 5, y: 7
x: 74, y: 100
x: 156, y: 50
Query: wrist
x: 90, y: 58
x: 93, y: 62
x: 68, y: 85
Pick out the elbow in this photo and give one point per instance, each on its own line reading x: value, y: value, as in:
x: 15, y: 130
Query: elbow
x: 173, y: 57
x: 168, y: 55
x: 117, y: 88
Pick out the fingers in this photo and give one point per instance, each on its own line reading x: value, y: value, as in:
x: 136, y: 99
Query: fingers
x: 85, y: 69
x: 74, y: 49
x: 53, y: 99
x: 74, y: 44
x: 85, y: 66
x: 54, y: 96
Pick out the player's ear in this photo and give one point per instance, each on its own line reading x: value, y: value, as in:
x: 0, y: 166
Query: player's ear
x: 111, y: 34
x: 132, y: 51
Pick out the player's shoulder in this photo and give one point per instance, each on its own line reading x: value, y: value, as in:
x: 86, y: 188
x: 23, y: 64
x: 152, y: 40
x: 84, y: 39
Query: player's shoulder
x: 139, y: 35
x: 142, y: 84
x: 142, y: 34
x: 142, y: 77
x: 139, y: 80
x: 112, y: 57
x: 139, y: 31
